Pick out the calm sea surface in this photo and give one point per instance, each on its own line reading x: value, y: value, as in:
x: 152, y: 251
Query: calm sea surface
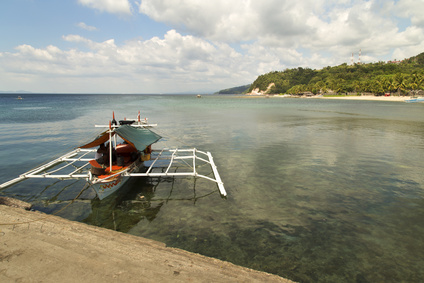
x: 318, y: 190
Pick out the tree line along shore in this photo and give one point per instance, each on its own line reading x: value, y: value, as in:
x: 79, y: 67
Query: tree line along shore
x: 396, y: 78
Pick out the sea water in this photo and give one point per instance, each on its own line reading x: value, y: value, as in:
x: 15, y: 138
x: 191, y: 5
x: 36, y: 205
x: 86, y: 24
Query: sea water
x: 318, y: 190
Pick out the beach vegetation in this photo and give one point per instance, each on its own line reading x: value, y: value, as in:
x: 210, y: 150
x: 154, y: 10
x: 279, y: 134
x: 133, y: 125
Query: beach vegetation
x: 394, y: 77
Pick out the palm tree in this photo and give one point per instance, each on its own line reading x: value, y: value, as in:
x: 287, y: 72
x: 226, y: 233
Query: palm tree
x: 415, y: 82
x: 392, y: 84
x: 385, y: 84
x: 400, y: 82
x: 378, y: 86
x: 357, y: 86
x: 321, y: 87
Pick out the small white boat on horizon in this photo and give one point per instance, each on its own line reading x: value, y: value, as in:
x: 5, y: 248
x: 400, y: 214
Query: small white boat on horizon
x: 412, y: 100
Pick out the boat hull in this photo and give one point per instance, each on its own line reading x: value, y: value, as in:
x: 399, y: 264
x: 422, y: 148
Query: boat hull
x: 415, y: 100
x: 105, y: 188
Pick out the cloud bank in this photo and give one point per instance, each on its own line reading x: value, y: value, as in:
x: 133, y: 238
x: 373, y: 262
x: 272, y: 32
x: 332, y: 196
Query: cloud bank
x: 337, y: 26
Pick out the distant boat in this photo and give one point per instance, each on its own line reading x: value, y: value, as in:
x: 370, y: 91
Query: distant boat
x: 199, y: 96
x: 19, y: 98
x: 418, y: 99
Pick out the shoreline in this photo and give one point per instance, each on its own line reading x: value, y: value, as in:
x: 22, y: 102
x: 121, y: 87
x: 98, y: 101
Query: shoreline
x: 45, y: 248
x: 369, y: 97
x: 347, y: 97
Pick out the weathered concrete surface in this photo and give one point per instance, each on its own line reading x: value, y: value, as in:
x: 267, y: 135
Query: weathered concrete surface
x: 53, y: 249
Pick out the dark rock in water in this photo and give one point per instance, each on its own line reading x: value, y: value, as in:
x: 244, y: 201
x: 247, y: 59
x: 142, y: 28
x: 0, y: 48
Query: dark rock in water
x: 15, y: 203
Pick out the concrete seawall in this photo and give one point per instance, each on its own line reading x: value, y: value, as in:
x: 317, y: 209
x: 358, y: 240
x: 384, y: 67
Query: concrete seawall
x: 47, y: 248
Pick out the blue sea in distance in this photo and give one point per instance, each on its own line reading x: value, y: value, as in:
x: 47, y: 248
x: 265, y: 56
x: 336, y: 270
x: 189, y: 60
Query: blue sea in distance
x: 318, y: 190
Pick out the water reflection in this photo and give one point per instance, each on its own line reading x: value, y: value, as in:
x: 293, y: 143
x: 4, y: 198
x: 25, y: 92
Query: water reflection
x: 138, y: 200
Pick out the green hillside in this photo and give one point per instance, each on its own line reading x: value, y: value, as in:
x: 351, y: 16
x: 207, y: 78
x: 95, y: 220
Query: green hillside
x: 399, y: 77
x: 235, y: 90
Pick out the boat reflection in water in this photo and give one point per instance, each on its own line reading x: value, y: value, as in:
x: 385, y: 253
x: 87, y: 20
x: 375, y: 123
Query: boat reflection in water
x: 139, y: 199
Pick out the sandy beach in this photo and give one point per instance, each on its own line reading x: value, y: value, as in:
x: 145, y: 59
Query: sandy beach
x: 342, y: 97
x: 47, y: 248
x: 369, y: 97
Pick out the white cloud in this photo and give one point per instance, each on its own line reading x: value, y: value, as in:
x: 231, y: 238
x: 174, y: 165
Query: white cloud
x: 412, y: 9
x: 415, y: 37
x: 341, y: 27
x: 349, y: 29
x: 122, y: 7
x: 237, y: 20
x: 75, y: 38
x: 172, y: 63
x: 86, y: 27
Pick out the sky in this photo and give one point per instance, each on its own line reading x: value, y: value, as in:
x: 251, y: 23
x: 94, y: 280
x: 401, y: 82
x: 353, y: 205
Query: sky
x: 193, y: 46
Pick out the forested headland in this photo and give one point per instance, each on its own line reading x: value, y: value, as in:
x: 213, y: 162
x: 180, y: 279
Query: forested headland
x: 396, y: 77
x: 235, y: 90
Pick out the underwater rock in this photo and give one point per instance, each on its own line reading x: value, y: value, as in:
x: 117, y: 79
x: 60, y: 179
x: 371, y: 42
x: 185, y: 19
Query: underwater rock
x: 15, y: 203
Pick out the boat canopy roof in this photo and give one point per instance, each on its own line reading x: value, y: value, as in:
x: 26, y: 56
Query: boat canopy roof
x: 140, y: 138
x: 102, y: 138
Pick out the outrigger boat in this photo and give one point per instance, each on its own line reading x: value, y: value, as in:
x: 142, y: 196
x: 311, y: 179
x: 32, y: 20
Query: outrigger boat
x: 106, y: 167
x: 412, y: 100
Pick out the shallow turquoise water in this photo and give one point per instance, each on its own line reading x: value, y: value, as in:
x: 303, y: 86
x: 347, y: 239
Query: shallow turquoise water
x: 318, y: 190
